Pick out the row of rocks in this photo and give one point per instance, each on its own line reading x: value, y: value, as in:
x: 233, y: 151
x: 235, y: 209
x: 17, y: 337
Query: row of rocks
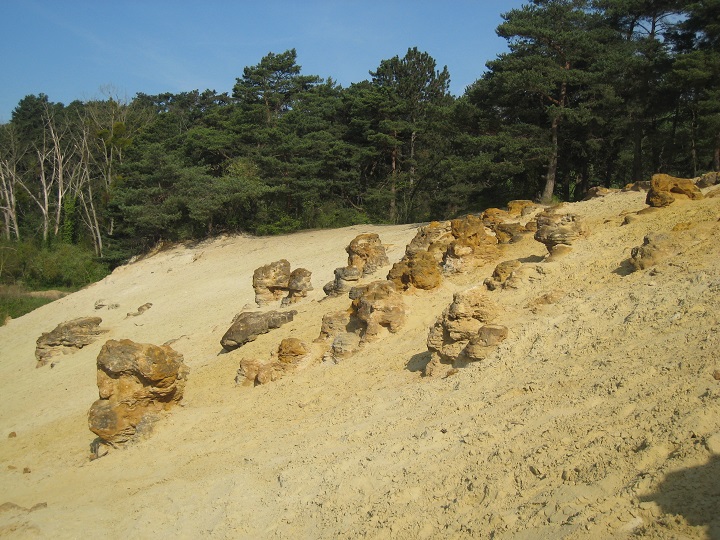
x: 275, y: 280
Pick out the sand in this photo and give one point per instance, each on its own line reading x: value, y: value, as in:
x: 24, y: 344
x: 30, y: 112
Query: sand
x: 598, y: 417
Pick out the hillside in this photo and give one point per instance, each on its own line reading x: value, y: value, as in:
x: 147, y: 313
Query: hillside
x: 598, y: 416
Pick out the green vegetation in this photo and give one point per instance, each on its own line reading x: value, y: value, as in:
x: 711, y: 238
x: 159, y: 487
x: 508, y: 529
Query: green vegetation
x: 602, y: 92
x: 15, y: 302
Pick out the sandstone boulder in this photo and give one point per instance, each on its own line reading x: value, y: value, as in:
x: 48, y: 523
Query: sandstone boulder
x: 559, y: 230
x: 655, y: 248
x: 67, y: 338
x: 708, y: 179
x: 377, y: 305
x: 521, y: 207
x: 247, y: 326
x: 290, y: 356
x: 298, y: 286
x: 663, y: 185
x: 136, y: 381
x: 500, y: 275
x: 464, y: 332
x: 273, y: 281
x: 367, y: 253
x: 419, y: 270
x: 598, y: 191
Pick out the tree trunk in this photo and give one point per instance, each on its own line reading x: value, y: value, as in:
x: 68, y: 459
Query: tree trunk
x: 552, y: 164
x: 716, y: 155
x: 393, y: 186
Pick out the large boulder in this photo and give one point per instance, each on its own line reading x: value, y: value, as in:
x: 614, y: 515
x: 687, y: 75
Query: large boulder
x: 419, y: 270
x: 377, y: 305
x: 298, y: 286
x: 270, y: 281
x: 559, y: 230
x: 248, y: 325
x: 136, y: 381
x: 67, y: 338
x: 465, y: 331
x: 663, y: 185
x: 367, y: 253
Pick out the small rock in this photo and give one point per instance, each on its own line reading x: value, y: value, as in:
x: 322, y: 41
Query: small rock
x: 26, y: 470
x: 12, y: 435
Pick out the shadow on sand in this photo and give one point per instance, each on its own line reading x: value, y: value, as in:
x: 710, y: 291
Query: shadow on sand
x: 418, y: 361
x: 693, y: 493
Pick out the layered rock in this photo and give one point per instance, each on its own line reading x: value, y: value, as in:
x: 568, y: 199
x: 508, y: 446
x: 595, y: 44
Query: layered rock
x: 377, y: 306
x: 291, y: 355
x: 136, y: 381
x: 465, y: 332
x: 365, y: 255
x: 275, y: 280
x: 663, y: 185
x: 655, y: 248
x: 501, y: 274
x: 67, y: 338
x: 247, y: 326
x: 559, y: 230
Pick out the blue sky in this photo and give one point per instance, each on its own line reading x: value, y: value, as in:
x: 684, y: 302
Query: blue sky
x: 72, y: 49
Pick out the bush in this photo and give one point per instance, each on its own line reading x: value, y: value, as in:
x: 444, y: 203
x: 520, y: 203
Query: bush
x: 15, y: 303
x: 63, y: 265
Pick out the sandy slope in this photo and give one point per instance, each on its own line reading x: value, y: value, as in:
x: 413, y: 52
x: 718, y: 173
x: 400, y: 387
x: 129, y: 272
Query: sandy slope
x: 598, y: 417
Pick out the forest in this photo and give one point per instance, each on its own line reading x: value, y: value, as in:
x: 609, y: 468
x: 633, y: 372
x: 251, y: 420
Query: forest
x: 602, y: 92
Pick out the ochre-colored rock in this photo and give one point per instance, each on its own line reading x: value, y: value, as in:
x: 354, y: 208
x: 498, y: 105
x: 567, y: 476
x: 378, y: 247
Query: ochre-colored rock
x: 66, y: 338
x: 434, y: 238
x: 298, y: 286
x: 662, y: 185
x: 292, y: 354
x: 365, y: 255
x: 501, y: 274
x: 248, y: 325
x: 559, y: 229
x: 598, y: 191
x: 334, y: 323
x: 378, y: 305
x: 465, y: 331
x: 521, y: 207
x: 419, y: 270
x: 270, y: 281
x: 136, y: 381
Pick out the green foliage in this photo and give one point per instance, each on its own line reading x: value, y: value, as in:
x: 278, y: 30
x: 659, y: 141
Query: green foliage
x: 15, y: 302
x: 63, y: 265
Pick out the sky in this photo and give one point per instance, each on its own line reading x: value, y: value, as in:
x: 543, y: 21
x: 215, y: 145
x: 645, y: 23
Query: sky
x: 93, y: 49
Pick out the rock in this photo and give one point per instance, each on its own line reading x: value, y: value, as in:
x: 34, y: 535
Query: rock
x: 598, y: 191
x: 136, y: 381
x: 367, y: 253
x: 343, y: 346
x: 345, y: 279
x: 641, y: 185
x: 713, y: 193
x: 333, y: 324
x: 291, y: 353
x: 419, y: 270
x: 298, y: 286
x: 662, y: 185
x: 464, y: 332
x: 708, y: 179
x: 434, y: 238
x: 247, y: 326
x: 558, y: 229
x: 656, y: 247
x: 377, y: 305
x: 508, y: 233
x: 67, y: 337
x: 501, y: 274
x: 271, y: 281
x: 521, y: 207
x: 142, y: 309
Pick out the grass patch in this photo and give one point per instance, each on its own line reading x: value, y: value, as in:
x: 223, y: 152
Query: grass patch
x: 15, y: 302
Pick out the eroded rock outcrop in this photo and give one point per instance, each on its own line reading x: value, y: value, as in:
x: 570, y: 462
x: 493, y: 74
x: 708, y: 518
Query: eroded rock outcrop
x: 663, y: 185
x: 67, y: 338
x: 275, y: 280
x: 559, y: 230
x: 377, y: 305
x: 656, y: 247
x: 419, y: 270
x: 465, y: 332
x: 292, y: 354
x: 365, y: 255
x: 136, y: 381
x: 501, y: 274
x: 248, y: 325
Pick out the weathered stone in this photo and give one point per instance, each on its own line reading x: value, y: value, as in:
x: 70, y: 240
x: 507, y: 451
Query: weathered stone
x: 290, y: 355
x: 507, y: 233
x: 67, y: 337
x: 501, y: 274
x: 434, y: 238
x: 271, y: 281
x: 598, y: 191
x: 419, y: 270
x: 708, y: 179
x: 247, y: 326
x: 378, y: 305
x: 521, y: 207
x: 656, y: 247
x: 464, y: 331
x: 135, y: 381
x: 640, y: 185
x: 556, y: 228
x: 662, y: 185
x: 140, y: 310
x: 298, y: 286
x: 343, y: 346
x: 345, y: 278
x: 367, y: 253
x: 291, y: 350
x: 333, y: 324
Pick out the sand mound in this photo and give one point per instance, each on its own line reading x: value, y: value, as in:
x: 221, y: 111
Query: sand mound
x: 597, y: 417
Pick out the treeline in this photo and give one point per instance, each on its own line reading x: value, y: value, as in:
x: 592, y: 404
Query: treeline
x: 590, y: 93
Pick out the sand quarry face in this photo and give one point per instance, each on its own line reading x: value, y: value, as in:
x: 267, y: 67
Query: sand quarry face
x: 598, y: 417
